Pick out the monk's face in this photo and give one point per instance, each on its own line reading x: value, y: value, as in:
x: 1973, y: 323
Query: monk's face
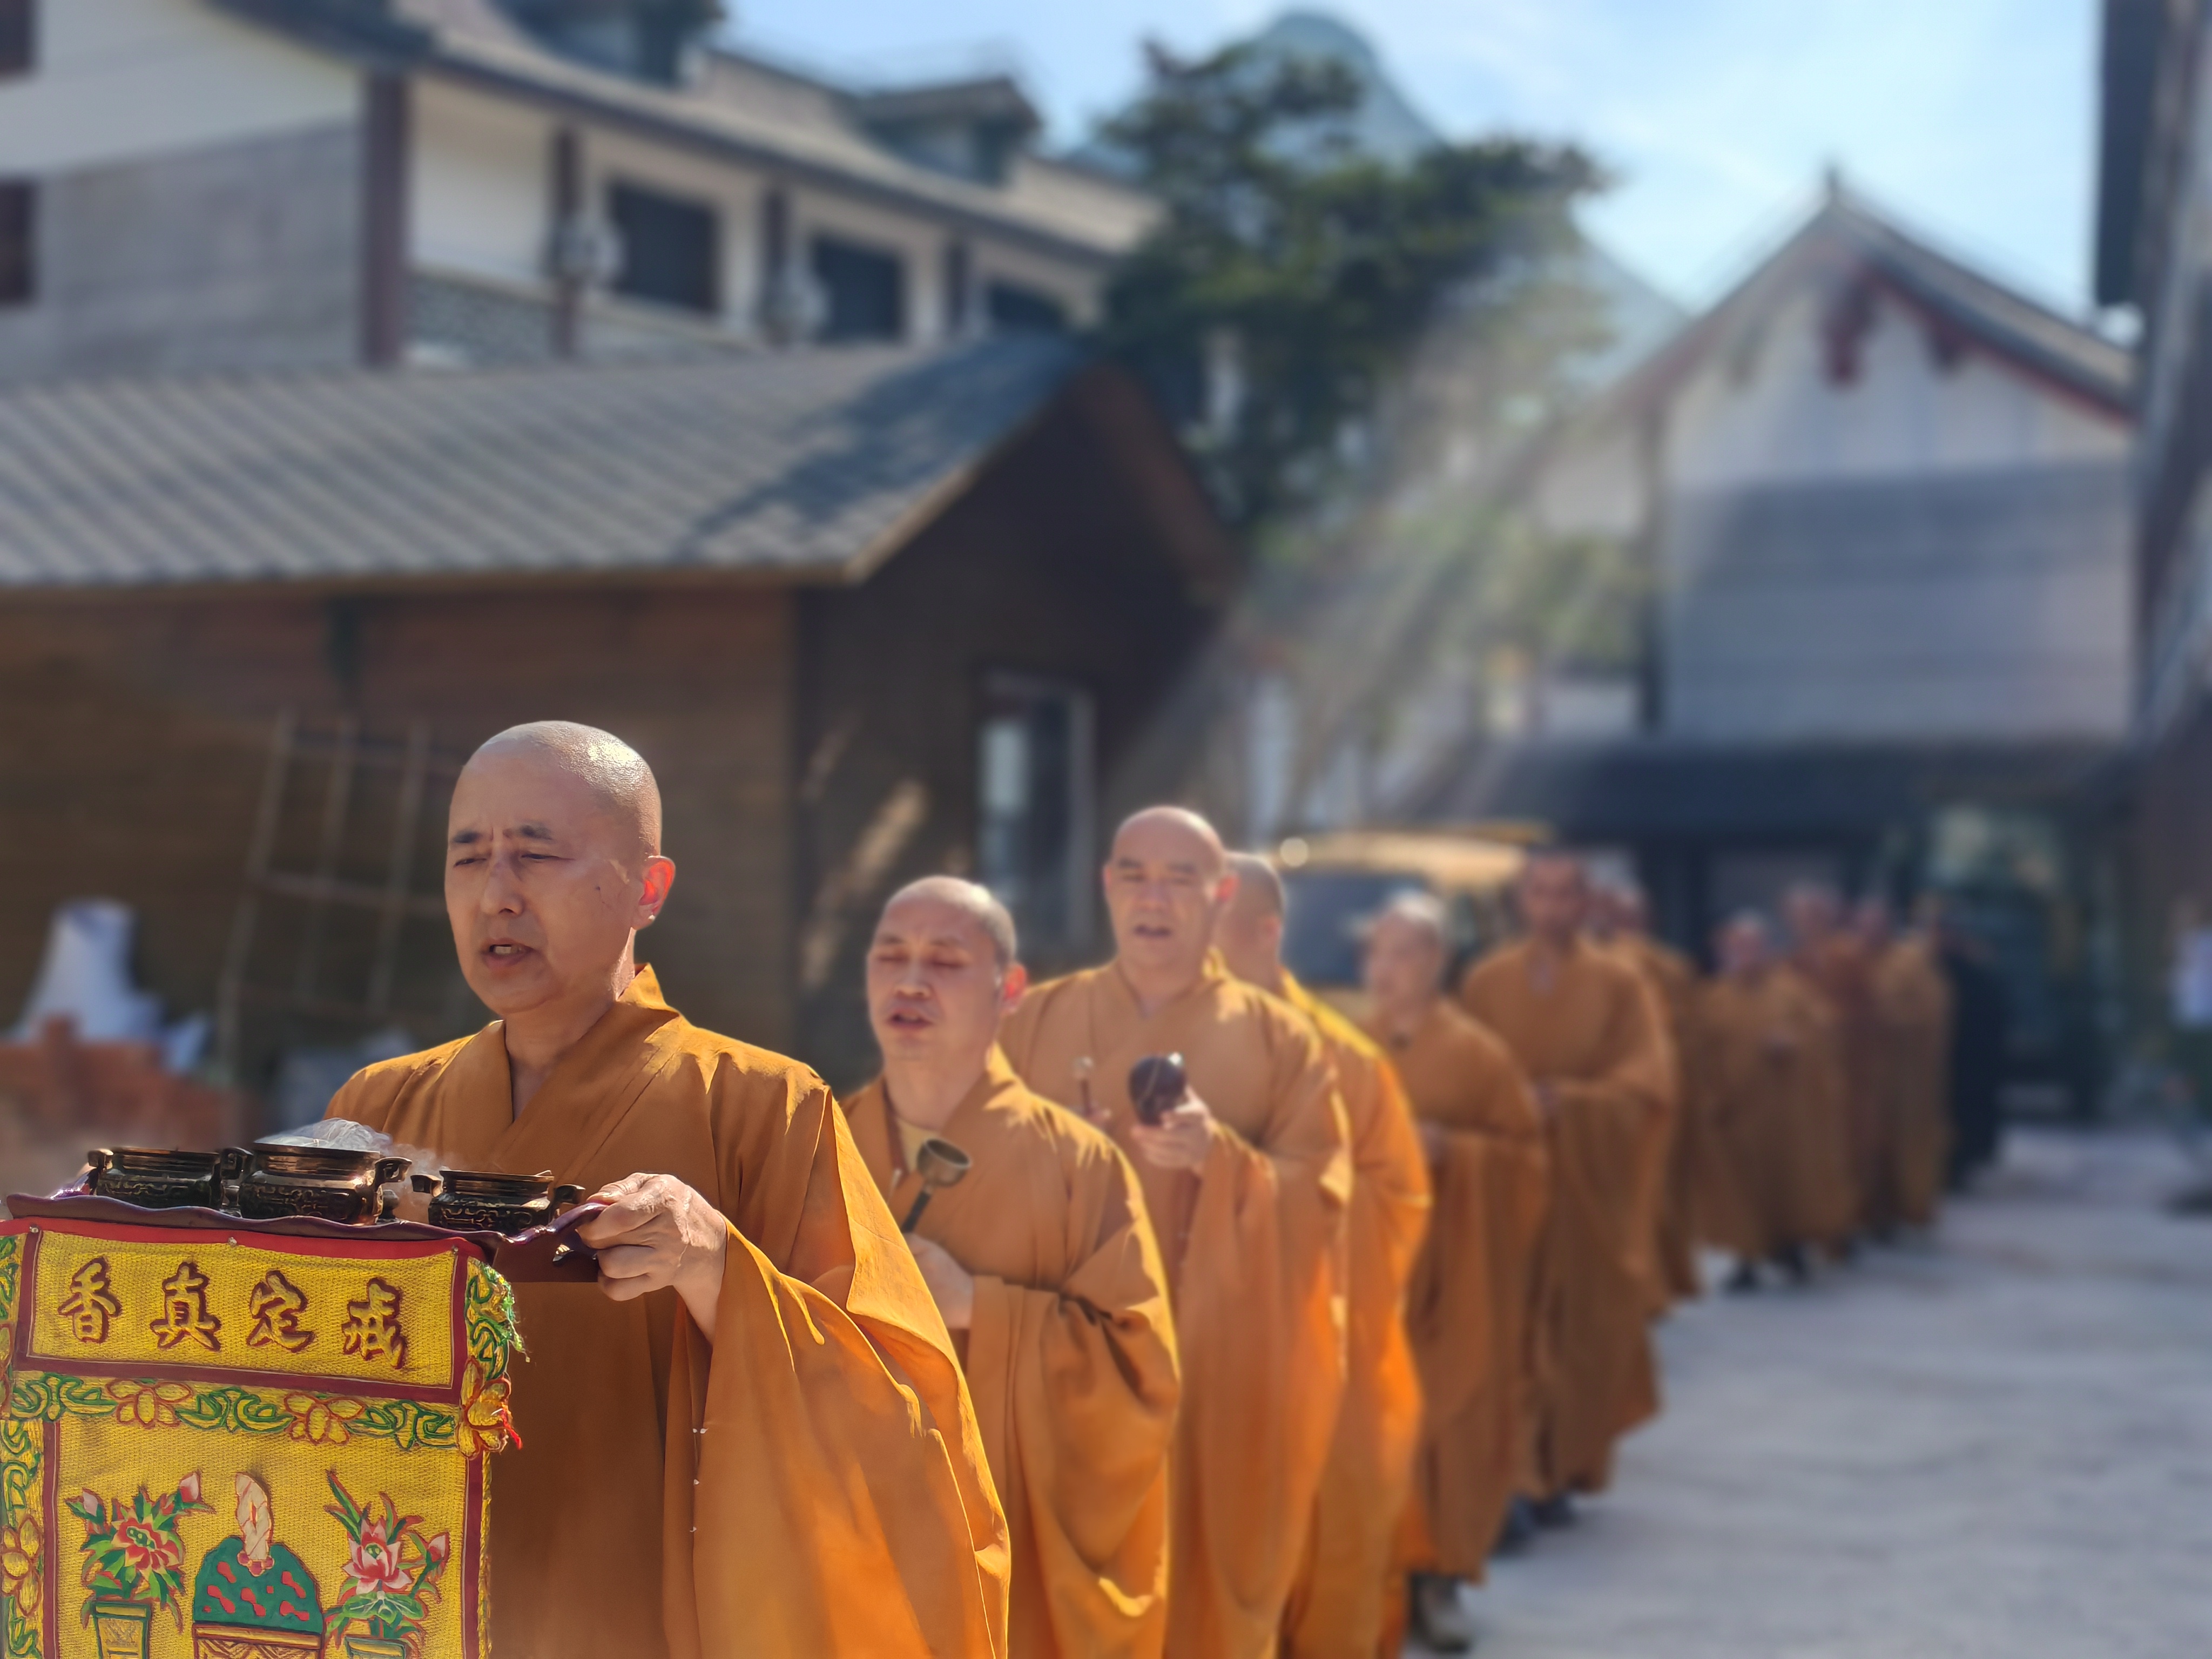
x: 1166, y: 888
x: 545, y: 884
x: 1250, y: 934
x: 1405, y: 962
x: 936, y: 991
x: 1555, y: 899
x: 1743, y: 949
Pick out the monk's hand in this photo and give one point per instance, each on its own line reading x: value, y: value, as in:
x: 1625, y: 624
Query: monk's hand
x: 952, y: 1284
x: 1181, y: 1140
x: 657, y: 1234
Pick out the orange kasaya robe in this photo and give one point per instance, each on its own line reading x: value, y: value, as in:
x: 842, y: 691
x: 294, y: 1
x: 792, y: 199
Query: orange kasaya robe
x: 1473, y: 1288
x: 1673, y: 980
x: 1592, y: 1033
x: 1070, y: 1356
x: 813, y: 1483
x: 1761, y: 1059
x: 1344, y: 1592
x: 1252, y: 1244
x: 1824, y: 1202
x: 1912, y: 1014
x: 1843, y: 973
x: 1840, y: 1140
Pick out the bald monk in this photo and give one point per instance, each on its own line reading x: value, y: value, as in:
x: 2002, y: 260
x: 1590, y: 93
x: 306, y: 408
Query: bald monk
x: 1247, y: 1180
x: 1912, y: 1004
x: 1343, y: 1594
x: 1043, y: 1261
x: 1622, y: 918
x: 1761, y: 1073
x: 1829, y: 963
x: 751, y: 1436
x: 1587, y: 1032
x: 1474, y: 1285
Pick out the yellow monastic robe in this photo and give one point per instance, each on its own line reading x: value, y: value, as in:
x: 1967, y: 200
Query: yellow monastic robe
x: 1674, y: 982
x: 1473, y: 1288
x: 1912, y: 1013
x: 1070, y: 1356
x: 1760, y: 1074
x: 1342, y: 1596
x: 1827, y: 1206
x: 816, y: 1482
x: 1594, y: 1035
x: 1252, y: 1243
x: 1841, y: 971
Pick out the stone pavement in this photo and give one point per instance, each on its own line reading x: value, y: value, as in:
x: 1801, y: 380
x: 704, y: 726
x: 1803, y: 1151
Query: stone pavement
x: 1994, y: 1445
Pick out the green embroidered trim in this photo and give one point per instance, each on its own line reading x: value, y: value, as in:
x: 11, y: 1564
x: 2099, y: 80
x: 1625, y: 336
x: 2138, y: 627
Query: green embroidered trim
x: 493, y: 1339
x: 22, y: 1451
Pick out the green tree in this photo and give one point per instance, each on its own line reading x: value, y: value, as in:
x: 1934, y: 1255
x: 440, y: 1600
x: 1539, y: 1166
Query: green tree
x: 1311, y: 269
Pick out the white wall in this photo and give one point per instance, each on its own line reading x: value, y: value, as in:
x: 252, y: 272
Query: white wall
x: 117, y: 80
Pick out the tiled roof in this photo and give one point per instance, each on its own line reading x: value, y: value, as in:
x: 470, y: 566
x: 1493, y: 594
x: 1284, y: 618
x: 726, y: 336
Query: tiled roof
x: 802, y: 465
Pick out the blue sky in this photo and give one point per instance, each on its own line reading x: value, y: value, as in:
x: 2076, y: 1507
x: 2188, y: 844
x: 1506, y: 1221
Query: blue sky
x: 1973, y: 119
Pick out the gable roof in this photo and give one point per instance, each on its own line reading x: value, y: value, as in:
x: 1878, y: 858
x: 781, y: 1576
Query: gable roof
x: 807, y: 466
x: 739, y: 106
x: 1848, y: 248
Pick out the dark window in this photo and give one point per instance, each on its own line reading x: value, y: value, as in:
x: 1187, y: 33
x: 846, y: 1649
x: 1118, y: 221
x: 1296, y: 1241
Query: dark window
x: 863, y: 292
x: 668, y: 248
x: 18, y: 36
x: 1016, y: 307
x: 18, y: 243
x: 1033, y: 808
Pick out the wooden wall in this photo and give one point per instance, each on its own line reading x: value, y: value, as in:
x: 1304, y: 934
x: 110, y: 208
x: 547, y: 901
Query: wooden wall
x: 134, y: 734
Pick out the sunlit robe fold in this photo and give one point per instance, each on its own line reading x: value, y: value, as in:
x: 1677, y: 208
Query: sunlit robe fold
x: 1472, y: 1294
x: 1252, y: 1244
x: 1338, y: 1607
x: 1070, y: 1357
x: 1593, y: 1032
x: 815, y: 1484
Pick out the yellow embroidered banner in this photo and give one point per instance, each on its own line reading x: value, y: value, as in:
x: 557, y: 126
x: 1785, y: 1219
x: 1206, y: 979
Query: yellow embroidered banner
x: 114, y: 1302
x: 246, y: 1445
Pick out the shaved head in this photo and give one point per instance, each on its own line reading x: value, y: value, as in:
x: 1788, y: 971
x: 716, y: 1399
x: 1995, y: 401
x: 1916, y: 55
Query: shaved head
x: 976, y: 900
x: 1258, y: 888
x: 1158, y: 824
x: 1168, y: 883
x: 1424, y: 913
x: 1408, y: 947
x: 615, y: 773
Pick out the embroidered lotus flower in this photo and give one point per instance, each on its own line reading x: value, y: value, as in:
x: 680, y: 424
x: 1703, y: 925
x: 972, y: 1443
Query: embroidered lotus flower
x: 19, y: 1566
x: 374, y: 1564
x: 485, y: 1423
x: 320, y: 1420
x: 149, y: 1405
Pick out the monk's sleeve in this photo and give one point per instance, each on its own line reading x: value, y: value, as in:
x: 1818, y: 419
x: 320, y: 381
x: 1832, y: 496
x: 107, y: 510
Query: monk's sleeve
x: 1262, y: 1327
x: 1635, y: 1077
x: 834, y: 1495
x: 1393, y: 1196
x: 1086, y: 1377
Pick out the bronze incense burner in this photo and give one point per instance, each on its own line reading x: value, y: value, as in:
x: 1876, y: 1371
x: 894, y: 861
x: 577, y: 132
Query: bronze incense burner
x: 163, y: 1178
x: 336, y: 1183
x: 484, y: 1200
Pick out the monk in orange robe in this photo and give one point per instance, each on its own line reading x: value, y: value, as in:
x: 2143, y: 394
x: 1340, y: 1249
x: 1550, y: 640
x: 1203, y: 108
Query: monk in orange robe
x: 1475, y: 1285
x: 1044, y: 1263
x: 1589, y: 1034
x: 1623, y: 919
x: 751, y: 1436
x: 1343, y: 1597
x: 1762, y: 1070
x: 1912, y: 1003
x: 1248, y: 1181
x: 1828, y: 962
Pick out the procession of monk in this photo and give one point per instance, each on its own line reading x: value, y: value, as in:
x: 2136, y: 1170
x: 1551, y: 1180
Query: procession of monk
x: 1160, y: 1309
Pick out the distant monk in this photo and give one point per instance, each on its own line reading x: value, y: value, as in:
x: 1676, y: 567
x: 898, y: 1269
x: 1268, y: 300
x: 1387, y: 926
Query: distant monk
x: 1622, y: 915
x: 751, y: 1436
x: 1475, y: 1285
x: 1043, y: 1264
x: 1589, y: 1034
x: 1342, y: 1598
x: 1827, y: 961
x: 1912, y: 1021
x: 1766, y: 1109
x: 1248, y: 1181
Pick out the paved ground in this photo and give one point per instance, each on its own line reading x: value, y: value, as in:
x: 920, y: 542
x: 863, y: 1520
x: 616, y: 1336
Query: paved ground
x: 1998, y: 1444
